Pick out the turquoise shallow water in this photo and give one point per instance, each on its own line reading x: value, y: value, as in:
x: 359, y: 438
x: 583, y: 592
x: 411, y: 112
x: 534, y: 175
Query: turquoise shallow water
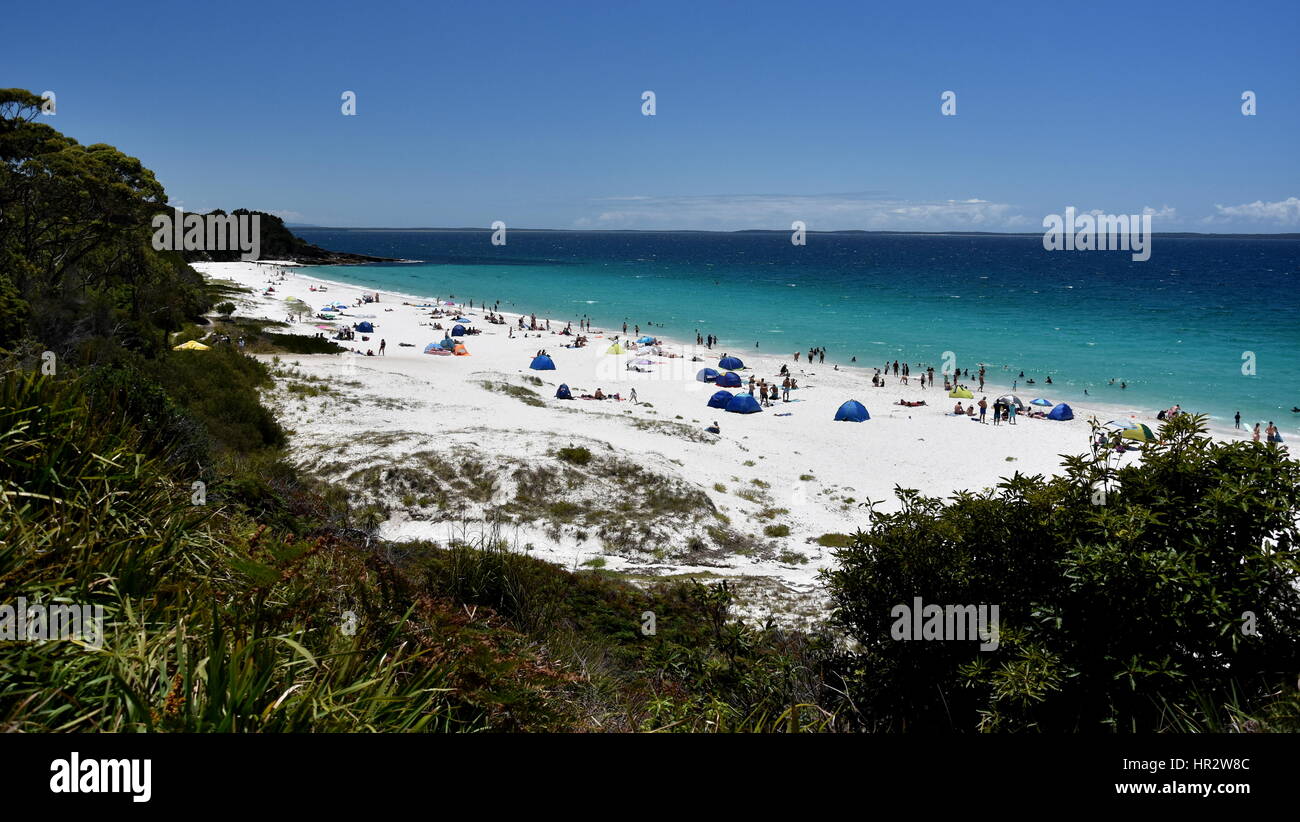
x: 1175, y: 328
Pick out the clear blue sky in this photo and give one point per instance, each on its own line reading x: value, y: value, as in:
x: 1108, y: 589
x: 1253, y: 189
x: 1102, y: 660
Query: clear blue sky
x: 766, y: 112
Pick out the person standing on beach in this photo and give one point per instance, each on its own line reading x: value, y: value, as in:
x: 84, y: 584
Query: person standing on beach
x: 997, y: 412
x: 632, y: 396
x: 1274, y: 436
x: 1011, y: 413
x: 1254, y: 437
x: 1237, y: 419
x: 382, y: 345
x: 984, y: 406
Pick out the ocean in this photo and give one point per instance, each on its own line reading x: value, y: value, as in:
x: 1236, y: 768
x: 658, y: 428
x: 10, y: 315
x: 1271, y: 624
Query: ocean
x: 1210, y: 323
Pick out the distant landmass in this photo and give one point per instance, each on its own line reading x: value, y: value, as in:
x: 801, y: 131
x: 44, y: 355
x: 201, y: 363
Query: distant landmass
x: 279, y: 243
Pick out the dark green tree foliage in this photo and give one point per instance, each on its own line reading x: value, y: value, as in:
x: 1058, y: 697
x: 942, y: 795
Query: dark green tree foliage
x: 279, y: 243
x: 1126, y: 615
x: 76, y: 263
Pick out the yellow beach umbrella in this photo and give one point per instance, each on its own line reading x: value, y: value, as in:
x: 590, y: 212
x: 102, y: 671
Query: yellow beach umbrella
x: 616, y: 348
x: 192, y: 345
x: 1139, y: 432
x: 961, y: 394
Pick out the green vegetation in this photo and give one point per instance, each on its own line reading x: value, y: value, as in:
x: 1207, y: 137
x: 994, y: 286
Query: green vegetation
x: 242, y: 595
x: 1174, y: 605
x: 578, y: 455
x: 525, y: 395
x: 776, y: 530
x: 833, y: 540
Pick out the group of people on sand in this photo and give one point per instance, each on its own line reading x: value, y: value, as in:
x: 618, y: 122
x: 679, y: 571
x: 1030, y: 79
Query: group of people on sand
x: 533, y: 324
x: 1002, y: 411
x: 1271, y: 434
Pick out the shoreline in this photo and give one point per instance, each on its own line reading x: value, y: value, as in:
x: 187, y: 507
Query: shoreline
x: 464, y: 448
x: 1085, y: 408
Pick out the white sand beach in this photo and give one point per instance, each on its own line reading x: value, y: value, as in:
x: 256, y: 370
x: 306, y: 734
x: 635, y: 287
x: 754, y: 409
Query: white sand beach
x: 675, y: 500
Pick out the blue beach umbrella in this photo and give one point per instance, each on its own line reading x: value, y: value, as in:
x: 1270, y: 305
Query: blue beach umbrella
x: 1061, y: 412
x: 731, y: 363
x: 1042, y: 402
x: 720, y: 399
x: 706, y: 375
x: 743, y: 404
x: 852, y: 411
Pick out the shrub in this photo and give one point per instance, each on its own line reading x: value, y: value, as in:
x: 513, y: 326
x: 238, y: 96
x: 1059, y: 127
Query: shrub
x: 1122, y: 616
x: 578, y: 455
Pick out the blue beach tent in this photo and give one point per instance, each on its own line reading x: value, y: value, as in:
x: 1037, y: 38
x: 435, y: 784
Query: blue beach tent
x: 365, y: 327
x: 706, y: 375
x: 729, y: 380
x: 1061, y: 412
x: 644, y: 340
x: 542, y: 363
x: 720, y: 399
x: 731, y: 363
x: 743, y: 404
x: 563, y: 393
x: 458, y: 331
x: 852, y: 411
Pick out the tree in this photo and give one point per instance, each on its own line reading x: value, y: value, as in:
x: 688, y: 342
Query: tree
x: 226, y: 309
x: 1173, y: 604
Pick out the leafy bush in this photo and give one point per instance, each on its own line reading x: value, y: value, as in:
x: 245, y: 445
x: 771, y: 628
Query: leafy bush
x: 578, y: 455
x: 219, y: 387
x: 1121, y: 616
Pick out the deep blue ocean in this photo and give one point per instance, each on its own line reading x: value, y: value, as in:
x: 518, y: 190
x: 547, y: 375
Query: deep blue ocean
x: 1176, y: 328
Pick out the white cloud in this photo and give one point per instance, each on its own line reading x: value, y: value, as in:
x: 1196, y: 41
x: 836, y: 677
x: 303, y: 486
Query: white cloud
x: 1284, y: 212
x: 821, y: 212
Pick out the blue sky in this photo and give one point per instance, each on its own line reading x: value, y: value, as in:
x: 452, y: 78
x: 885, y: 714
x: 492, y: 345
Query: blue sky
x: 530, y: 113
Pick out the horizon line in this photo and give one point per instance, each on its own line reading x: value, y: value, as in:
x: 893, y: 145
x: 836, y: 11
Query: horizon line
x: 1286, y: 235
